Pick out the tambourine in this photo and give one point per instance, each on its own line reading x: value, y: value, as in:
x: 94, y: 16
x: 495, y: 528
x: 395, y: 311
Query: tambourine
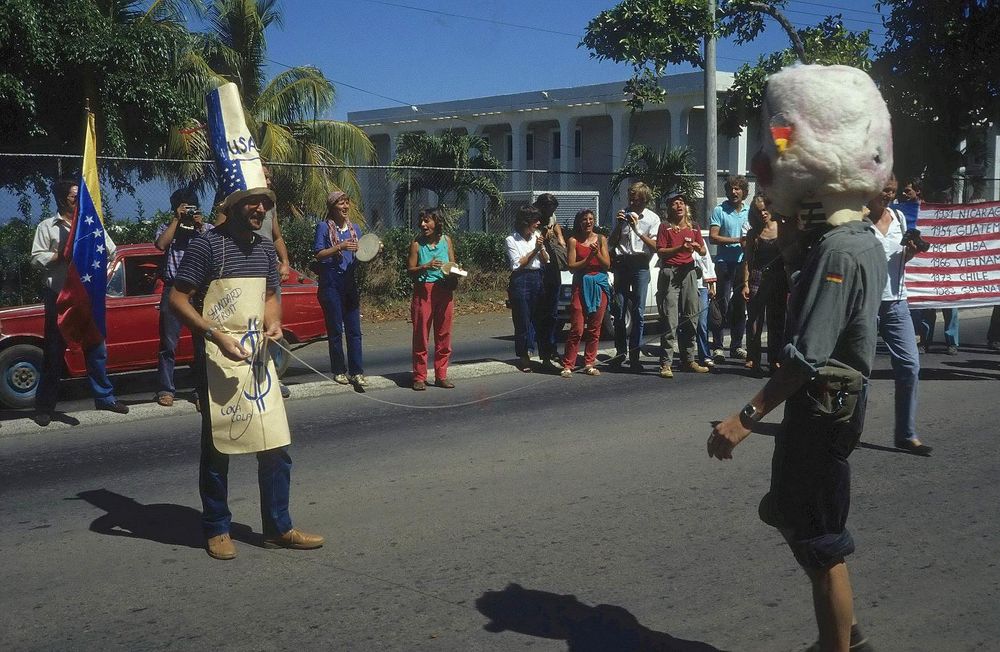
x: 369, y: 246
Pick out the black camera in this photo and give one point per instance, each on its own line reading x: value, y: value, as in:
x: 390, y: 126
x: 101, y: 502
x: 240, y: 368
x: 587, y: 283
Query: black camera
x: 187, y: 217
x: 912, y: 236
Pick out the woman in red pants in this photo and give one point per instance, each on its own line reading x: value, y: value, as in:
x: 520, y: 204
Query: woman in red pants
x: 589, y: 261
x: 432, y: 303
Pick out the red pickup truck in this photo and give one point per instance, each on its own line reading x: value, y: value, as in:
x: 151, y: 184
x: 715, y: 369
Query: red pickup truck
x: 132, y: 320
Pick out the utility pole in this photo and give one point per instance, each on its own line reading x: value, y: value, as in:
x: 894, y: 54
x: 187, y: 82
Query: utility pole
x: 711, y: 123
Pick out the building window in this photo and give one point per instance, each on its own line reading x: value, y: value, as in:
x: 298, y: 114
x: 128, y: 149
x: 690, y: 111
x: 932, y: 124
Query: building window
x: 529, y: 147
x: 510, y: 147
x: 577, y: 143
x: 556, y: 145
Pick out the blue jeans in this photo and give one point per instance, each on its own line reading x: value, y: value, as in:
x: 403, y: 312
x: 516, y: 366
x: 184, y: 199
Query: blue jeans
x: 274, y: 474
x: 896, y: 329
x: 547, y: 315
x: 54, y: 351
x: 524, y: 292
x: 993, y: 334
x: 170, y: 332
x: 925, y: 320
x: 702, y: 332
x: 729, y: 297
x: 631, y: 285
x: 341, y: 303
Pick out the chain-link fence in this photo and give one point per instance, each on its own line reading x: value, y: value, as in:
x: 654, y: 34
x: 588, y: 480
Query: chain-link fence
x: 136, y: 193
x: 136, y: 200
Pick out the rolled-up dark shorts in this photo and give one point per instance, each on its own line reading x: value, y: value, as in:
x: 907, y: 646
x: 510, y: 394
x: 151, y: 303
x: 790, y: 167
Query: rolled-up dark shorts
x: 810, y: 494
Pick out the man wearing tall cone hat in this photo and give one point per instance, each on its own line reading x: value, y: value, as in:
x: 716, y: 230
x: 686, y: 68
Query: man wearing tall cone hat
x: 225, y: 291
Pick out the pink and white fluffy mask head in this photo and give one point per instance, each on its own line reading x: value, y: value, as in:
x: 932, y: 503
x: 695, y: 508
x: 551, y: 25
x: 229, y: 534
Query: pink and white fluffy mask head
x: 826, y: 140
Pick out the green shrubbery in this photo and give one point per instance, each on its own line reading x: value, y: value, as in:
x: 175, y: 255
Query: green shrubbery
x: 382, y: 280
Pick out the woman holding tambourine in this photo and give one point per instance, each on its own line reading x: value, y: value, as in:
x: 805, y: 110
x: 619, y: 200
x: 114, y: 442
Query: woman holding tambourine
x: 336, y: 247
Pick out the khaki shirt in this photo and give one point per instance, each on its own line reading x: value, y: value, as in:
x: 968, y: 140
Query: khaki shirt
x: 834, y: 301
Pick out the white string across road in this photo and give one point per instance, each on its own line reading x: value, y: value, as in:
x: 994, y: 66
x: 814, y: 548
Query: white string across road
x: 483, y: 399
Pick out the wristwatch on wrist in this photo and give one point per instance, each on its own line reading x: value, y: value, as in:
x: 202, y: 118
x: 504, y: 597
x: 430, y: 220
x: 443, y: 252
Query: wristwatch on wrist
x: 750, y: 415
x: 209, y: 333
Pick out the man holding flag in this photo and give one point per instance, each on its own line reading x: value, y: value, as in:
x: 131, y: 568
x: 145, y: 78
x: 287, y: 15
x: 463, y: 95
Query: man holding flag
x: 72, y: 248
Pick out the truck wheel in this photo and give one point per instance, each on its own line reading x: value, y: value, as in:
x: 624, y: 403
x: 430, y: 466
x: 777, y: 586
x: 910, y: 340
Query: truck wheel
x: 279, y: 355
x: 20, y: 371
x: 608, y: 327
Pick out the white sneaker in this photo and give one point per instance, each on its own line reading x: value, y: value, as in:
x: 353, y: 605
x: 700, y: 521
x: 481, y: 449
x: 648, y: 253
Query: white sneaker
x: 718, y: 355
x: 360, y: 380
x: 566, y: 373
x: 740, y: 353
x: 342, y: 379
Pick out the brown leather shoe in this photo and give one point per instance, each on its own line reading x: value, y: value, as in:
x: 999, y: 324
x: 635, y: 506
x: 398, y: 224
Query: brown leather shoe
x: 221, y: 547
x: 295, y: 540
x: 166, y: 400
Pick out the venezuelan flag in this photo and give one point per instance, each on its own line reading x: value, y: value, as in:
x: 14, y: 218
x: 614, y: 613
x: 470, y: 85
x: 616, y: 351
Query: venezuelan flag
x: 80, y: 304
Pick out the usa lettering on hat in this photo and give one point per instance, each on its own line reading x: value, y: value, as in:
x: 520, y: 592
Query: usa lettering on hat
x: 237, y: 159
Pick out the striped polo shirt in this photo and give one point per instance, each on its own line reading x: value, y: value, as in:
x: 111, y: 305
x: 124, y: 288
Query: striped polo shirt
x: 214, y: 254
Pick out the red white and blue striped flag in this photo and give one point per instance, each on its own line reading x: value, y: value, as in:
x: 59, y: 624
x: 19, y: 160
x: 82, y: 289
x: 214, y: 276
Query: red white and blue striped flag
x: 80, y: 304
x: 962, y: 267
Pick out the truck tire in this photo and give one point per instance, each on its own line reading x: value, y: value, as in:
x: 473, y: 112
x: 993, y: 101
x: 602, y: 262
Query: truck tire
x: 20, y: 371
x: 608, y: 327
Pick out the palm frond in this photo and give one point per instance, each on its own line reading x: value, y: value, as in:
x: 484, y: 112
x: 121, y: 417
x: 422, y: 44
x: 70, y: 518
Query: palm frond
x: 660, y: 170
x: 277, y: 142
x: 349, y: 143
x: 294, y: 95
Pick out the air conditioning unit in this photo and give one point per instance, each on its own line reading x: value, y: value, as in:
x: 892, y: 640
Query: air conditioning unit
x: 570, y: 203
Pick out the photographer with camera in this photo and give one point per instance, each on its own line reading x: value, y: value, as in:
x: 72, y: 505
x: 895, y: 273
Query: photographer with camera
x: 173, y: 239
x: 894, y: 323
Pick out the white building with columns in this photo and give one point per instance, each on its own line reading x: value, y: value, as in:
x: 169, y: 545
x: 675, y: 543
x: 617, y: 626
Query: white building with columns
x: 580, y: 135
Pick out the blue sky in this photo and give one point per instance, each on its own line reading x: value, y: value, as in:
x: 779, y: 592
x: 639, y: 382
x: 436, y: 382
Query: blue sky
x: 382, y: 53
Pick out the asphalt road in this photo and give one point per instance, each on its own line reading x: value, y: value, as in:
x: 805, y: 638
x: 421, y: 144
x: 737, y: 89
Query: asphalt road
x: 594, y: 496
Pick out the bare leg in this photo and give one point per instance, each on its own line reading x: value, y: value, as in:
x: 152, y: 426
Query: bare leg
x: 833, y: 602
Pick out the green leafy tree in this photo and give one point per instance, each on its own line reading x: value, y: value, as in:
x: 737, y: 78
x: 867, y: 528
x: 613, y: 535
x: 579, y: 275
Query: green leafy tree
x: 468, y: 166
x: 938, y: 73
x: 651, y: 34
x: 828, y: 43
x: 660, y: 170
x: 58, y: 55
x: 284, y: 113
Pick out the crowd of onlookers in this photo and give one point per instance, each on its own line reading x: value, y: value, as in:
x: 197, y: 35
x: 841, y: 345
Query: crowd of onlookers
x: 742, y: 287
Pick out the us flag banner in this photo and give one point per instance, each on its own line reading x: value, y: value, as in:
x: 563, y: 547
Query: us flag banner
x: 80, y: 304
x: 962, y: 267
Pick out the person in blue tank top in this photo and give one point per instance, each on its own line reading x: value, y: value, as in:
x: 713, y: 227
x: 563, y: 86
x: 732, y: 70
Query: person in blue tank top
x: 433, y: 298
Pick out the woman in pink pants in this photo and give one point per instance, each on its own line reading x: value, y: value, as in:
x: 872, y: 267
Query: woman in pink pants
x: 589, y: 261
x: 432, y: 303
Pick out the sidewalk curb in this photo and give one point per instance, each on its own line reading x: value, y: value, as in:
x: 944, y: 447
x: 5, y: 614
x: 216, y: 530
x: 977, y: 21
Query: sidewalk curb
x: 150, y: 410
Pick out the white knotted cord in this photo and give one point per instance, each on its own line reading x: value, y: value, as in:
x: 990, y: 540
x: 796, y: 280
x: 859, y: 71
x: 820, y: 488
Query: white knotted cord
x: 546, y: 378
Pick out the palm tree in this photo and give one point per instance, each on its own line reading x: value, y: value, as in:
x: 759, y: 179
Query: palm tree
x: 309, y: 156
x: 464, y: 164
x: 667, y: 169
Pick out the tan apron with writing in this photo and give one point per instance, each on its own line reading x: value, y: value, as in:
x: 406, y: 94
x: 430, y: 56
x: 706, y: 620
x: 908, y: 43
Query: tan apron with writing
x: 248, y: 414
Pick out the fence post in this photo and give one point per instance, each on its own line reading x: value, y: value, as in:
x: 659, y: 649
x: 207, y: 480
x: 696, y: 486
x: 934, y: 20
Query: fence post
x: 409, y: 211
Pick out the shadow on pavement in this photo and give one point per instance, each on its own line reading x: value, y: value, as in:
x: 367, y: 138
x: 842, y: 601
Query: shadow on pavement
x: 584, y: 628
x: 172, y: 525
